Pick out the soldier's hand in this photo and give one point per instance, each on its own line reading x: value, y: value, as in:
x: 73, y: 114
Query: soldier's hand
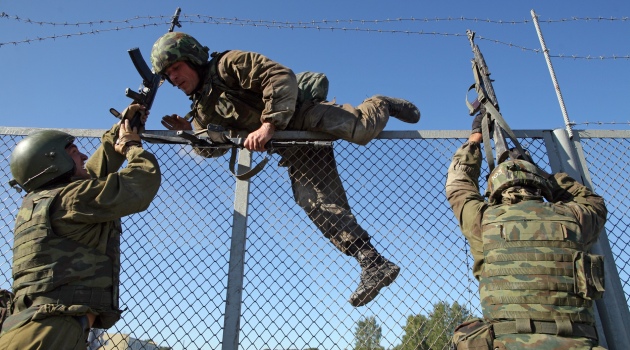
x: 175, y: 122
x: 132, y: 109
x: 127, y: 137
x: 257, y: 140
x: 476, y: 124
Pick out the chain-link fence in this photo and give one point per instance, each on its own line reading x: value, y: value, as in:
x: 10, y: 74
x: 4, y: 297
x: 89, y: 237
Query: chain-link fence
x: 178, y: 286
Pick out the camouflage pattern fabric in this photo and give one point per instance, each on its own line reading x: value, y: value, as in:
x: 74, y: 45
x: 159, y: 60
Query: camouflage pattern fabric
x: 478, y: 334
x: 511, y: 244
x: 6, y: 303
x: 49, y: 268
x: 50, y: 333
x: 528, y: 271
x: 543, y: 342
x: 244, y: 89
x: 82, y: 217
x: 177, y: 46
x: 516, y: 173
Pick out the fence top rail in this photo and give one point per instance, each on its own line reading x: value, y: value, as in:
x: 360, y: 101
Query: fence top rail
x: 307, y: 135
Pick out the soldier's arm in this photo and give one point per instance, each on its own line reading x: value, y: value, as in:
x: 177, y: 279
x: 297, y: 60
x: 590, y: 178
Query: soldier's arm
x: 276, y: 83
x: 462, y: 192
x: 588, y: 206
x: 127, y: 191
x: 105, y: 160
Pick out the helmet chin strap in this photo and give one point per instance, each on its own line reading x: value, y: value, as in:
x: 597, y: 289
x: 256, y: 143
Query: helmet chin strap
x: 48, y: 170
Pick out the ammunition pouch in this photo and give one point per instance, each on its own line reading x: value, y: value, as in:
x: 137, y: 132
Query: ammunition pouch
x: 474, y: 334
x: 588, y: 275
x: 6, y: 304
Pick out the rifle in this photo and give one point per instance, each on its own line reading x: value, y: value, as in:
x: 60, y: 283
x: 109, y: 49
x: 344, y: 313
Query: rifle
x: 487, y: 104
x: 217, y: 138
x: 150, y: 81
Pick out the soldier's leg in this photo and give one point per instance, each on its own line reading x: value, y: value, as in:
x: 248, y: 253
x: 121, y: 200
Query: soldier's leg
x: 358, y: 124
x: 318, y: 189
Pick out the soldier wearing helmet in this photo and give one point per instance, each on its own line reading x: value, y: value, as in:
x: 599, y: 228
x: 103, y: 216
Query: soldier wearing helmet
x: 66, y: 253
x: 246, y: 91
x: 530, y: 243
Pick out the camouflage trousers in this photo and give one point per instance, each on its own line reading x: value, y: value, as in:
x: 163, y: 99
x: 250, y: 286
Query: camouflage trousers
x: 358, y: 124
x: 317, y: 188
x: 316, y: 184
x: 53, y: 333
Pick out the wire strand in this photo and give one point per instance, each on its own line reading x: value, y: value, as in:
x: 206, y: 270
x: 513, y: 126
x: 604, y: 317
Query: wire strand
x: 310, y: 25
x: 324, y: 21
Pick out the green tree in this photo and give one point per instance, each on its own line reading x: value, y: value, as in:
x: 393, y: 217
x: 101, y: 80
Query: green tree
x: 434, y: 331
x: 414, y: 337
x: 368, y: 334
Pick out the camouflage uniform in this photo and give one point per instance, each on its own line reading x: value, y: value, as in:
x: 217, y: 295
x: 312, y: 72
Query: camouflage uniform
x: 255, y: 89
x: 527, y: 258
x: 66, y: 255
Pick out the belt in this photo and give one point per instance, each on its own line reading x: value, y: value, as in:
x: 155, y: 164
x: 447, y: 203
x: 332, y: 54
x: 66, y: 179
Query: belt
x: 577, y: 329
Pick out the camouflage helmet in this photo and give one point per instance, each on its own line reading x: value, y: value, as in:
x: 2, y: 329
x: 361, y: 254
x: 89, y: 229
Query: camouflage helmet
x: 516, y: 173
x: 177, y: 46
x: 40, y: 158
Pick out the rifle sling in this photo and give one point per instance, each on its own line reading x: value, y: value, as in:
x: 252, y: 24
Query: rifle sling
x: 248, y: 174
x: 493, y: 115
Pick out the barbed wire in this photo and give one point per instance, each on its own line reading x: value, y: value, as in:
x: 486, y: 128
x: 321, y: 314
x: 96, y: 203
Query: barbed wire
x: 324, y: 21
x: 91, y: 32
x: 600, y: 123
x: 311, y: 25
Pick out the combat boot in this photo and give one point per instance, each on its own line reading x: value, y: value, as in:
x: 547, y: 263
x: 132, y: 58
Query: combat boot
x: 401, y: 109
x: 376, y: 273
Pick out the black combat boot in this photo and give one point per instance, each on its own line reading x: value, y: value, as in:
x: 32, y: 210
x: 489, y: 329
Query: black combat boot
x: 376, y: 273
x: 401, y: 109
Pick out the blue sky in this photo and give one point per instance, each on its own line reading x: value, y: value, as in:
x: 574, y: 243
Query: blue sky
x: 71, y: 82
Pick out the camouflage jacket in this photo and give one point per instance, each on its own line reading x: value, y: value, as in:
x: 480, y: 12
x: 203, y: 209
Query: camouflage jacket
x: 469, y: 206
x: 252, y: 89
x: 86, y: 214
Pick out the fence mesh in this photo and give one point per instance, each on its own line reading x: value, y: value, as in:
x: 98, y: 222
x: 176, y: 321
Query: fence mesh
x: 296, y: 285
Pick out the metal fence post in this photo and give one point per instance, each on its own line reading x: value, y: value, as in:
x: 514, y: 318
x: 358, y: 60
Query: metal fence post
x: 233, y: 299
x: 612, y: 315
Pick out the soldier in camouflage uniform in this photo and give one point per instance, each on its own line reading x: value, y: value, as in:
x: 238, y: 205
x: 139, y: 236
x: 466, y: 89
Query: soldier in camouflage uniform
x: 246, y: 91
x: 66, y: 254
x: 537, y: 281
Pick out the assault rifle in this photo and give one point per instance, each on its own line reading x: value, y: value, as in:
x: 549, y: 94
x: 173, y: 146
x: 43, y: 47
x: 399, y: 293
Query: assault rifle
x: 487, y: 105
x: 150, y: 81
x: 217, y: 138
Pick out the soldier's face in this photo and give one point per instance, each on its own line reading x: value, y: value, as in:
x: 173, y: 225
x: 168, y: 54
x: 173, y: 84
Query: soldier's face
x: 183, y: 76
x: 79, y: 162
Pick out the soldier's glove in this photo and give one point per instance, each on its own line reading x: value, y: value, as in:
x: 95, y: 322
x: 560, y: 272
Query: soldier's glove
x: 476, y: 124
x: 136, y: 109
x: 127, y: 137
x: 477, y: 127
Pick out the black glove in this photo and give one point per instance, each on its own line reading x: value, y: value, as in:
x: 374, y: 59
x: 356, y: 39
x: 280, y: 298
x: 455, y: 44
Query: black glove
x: 477, y: 127
x: 476, y: 124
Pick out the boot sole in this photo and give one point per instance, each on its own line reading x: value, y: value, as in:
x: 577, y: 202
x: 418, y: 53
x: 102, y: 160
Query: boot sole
x: 370, y: 294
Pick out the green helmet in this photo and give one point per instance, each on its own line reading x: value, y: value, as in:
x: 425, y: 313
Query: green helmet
x: 40, y: 158
x: 177, y: 46
x: 516, y: 173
